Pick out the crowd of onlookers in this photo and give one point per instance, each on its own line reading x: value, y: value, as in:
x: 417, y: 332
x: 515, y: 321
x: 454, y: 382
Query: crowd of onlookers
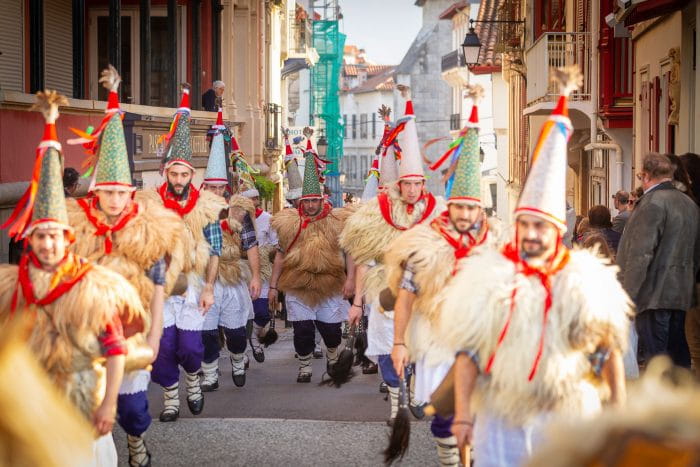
x: 655, y: 240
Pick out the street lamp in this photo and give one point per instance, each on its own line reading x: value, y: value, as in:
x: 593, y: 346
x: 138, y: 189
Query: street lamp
x: 471, y: 46
x: 322, y: 147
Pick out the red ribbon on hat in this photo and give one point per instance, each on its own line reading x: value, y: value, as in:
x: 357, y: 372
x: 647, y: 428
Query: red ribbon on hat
x: 106, y: 230
x: 559, y: 260
x: 171, y: 203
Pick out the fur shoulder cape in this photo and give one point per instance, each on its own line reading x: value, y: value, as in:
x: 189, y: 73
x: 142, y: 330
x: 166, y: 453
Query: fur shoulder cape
x: 194, y: 246
x: 154, y: 233
x: 589, y: 308
x: 367, y: 234
x: 314, y: 266
x: 75, y: 319
x: 232, y: 268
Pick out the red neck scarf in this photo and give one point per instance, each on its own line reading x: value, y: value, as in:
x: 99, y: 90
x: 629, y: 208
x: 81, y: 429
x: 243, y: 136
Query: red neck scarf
x: 226, y: 227
x: 105, y: 230
x: 71, y: 270
x: 385, y: 208
x: 556, y: 264
x: 461, y: 247
x: 305, y: 220
x: 170, y: 201
x: 258, y: 211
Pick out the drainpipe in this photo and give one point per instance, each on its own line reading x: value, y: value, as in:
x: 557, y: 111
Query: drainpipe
x: 618, y: 159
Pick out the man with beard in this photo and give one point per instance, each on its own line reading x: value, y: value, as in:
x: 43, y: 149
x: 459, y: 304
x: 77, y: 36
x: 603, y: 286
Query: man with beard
x: 310, y: 269
x: 183, y: 315
x: 237, y: 282
x: 370, y: 230
x: 540, y: 329
x: 419, y: 264
x: 131, y: 235
x: 80, y: 312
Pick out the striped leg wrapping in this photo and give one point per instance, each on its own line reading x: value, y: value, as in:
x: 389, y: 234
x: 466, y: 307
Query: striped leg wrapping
x: 194, y: 391
x: 447, y: 451
x: 332, y: 356
x: 172, y: 398
x: 238, y: 363
x: 305, y: 364
x: 211, y: 372
x: 138, y: 453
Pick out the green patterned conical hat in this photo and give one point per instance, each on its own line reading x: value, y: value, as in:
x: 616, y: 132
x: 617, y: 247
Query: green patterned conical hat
x: 179, y: 147
x: 466, y: 187
x: 311, y: 188
x: 112, y: 169
x: 44, y: 203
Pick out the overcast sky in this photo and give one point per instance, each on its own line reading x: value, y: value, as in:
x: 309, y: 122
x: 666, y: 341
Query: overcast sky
x: 384, y: 28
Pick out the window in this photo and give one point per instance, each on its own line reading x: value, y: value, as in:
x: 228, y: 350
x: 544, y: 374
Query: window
x: 345, y: 126
x: 363, y: 126
x: 549, y: 16
x: 363, y: 168
x: 494, y: 196
x: 354, y: 126
x: 374, y: 125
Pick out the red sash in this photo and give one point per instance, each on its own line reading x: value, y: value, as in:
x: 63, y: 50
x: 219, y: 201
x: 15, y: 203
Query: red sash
x: 461, y: 250
x: 385, y: 208
x: 104, y: 230
x: 171, y: 203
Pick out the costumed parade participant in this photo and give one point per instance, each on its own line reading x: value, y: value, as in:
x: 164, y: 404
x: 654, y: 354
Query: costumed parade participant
x: 540, y: 329
x: 82, y: 346
x: 183, y: 315
x: 263, y: 335
x: 370, y: 230
x: 420, y: 262
x: 310, y: 269
x: 232, y: 295
x: 131, y: 235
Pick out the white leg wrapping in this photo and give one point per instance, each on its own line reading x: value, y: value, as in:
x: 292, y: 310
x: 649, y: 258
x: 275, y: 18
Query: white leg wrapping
x: 194, y: 391
x: 138, y: 454
x: 238, y: 363
x: 172, y: 398
x: 305, y: 364
x: 447, y: 451
x: 332, y: 355
x: 211, y: 372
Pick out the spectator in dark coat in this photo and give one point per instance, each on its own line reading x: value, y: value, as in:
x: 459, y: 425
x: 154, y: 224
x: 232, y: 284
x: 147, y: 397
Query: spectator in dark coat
x: 659, y: 254
x: 210, y: 98
x: 600, y: 223
x: 624, y: 209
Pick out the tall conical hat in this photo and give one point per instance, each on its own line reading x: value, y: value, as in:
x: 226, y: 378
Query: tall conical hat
x: 112, y: 171
x: 372, y: 182
x: 411, y: 166
x: 388, y: 166
x: 466, y: 187
x: 179, y: 147
x: 43, y: 205
x: 311, y: 187
x: 544, y: 193
x: 293, y: 180
x: 216, y: 165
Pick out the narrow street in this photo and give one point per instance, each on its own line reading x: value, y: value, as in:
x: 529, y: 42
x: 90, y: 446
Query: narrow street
x: 273, y: 420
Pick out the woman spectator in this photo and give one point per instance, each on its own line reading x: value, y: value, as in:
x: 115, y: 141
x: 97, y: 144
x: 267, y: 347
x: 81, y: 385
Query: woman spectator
x: 600, y: 223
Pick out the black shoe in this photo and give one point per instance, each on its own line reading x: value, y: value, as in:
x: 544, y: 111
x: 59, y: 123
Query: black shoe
x: 169, y: 416
x: 196, y: 407
x: 258, y: 354
x: 370, y: 369
x: 210, y: 387
x: 304, y: 378
x: 238, y: 380
x: 318, y: 354
x: 383, y: 388
x: 417, y: 410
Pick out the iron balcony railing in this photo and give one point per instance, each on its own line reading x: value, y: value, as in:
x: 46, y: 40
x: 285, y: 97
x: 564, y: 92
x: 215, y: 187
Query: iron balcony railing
x: 554, y: 50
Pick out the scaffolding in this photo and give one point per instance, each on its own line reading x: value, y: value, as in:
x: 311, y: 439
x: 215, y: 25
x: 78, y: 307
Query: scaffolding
x: 325, y: 86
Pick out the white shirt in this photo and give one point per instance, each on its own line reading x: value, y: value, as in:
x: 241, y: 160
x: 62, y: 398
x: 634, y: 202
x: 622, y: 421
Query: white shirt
x: 265, y: 234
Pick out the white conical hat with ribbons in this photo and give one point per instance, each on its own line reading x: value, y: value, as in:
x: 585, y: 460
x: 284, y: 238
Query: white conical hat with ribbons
x: 411, y: 165
x: 216, y: 165
x: 544, y: 194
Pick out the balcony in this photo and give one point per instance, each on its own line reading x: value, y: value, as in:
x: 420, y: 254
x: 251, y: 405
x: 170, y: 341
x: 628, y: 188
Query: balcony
x: 300, y: 44
x: 553, y: 50
x: 452, y: 60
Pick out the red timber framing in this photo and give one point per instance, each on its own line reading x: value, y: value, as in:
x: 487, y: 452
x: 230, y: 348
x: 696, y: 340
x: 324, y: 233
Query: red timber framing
x: 615, y: 74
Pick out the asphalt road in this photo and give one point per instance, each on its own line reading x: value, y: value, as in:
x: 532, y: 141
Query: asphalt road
x: 274, y: 421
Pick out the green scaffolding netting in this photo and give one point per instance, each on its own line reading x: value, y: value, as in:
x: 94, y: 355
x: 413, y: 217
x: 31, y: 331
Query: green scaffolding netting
x: 325, y: 87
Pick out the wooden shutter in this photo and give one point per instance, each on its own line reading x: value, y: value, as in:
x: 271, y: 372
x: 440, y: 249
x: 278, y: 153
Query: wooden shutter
x: 58, y: 46
x: 12, y: 45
